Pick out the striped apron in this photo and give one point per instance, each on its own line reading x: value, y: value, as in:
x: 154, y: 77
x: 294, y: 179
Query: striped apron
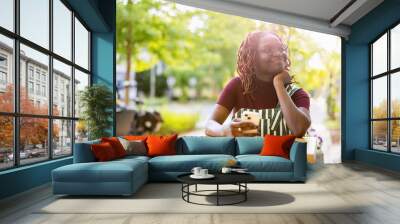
x: 271, y: 121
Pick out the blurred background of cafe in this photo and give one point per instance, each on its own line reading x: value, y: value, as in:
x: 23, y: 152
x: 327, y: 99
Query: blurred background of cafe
x: 173, y: 61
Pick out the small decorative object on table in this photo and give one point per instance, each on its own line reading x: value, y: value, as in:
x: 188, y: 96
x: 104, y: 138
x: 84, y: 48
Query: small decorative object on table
x: 237, y: 170
x: 232, y: 165
x: 200, y: 173
x: 226, y: 170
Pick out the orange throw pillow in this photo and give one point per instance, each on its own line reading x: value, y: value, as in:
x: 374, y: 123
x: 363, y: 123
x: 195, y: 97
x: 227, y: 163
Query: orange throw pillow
x: 103, y: 151
x: 116, y: 145
x: 277, y: 145
x: 135, y: 137
x: 159, y: 145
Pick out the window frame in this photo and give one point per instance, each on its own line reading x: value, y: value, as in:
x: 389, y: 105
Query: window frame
x: 388, y: 74
x: 16, y: 115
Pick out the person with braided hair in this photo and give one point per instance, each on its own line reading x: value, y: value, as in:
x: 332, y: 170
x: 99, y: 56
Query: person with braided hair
x: 263, y: 82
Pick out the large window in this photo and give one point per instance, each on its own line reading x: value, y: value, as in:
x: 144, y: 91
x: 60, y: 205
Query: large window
x: 44, y: 64
x: 385, y: 96
x: 7, y: 14
x: 34, y: 22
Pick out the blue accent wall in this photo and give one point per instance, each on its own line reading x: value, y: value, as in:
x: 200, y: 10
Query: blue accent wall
x: 24, y: 178
x: 356, y: 99
x: 376, y: 158
x: 102, y: 64
x: 355, y: 81
x: 99, y: 16
x: 104, y: 54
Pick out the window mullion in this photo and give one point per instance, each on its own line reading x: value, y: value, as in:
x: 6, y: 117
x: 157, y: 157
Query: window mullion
x: 50, y: 81
x: 371, y: 142
x: 389, y: 76
x: 73, y: 83
x: 16, y: 85
x: 89, y: 54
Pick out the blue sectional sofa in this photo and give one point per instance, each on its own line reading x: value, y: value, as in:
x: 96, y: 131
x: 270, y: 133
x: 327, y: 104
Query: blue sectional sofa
x: 126, y: 175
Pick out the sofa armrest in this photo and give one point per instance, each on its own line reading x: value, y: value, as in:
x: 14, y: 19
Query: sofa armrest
x: 83, y: 153
x: 298, y: 155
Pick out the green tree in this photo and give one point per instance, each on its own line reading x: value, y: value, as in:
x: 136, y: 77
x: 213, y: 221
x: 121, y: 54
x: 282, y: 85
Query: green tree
x: 150, y: 27
x: 208, y: 51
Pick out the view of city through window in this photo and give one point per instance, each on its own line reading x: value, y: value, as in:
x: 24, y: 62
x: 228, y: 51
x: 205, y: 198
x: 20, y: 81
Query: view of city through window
x: 38, y: 118
x: 385, y: 78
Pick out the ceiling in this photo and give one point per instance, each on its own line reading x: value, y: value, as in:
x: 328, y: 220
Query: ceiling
x: 326, y: 16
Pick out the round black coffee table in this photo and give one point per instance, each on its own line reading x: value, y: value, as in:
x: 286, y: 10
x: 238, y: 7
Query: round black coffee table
x: 238, y: 179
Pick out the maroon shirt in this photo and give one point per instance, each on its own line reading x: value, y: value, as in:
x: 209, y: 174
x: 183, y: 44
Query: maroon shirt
x: 232, y: 96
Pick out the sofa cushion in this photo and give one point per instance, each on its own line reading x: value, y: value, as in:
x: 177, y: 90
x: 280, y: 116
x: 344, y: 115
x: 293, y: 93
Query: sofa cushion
x: 94, y: 172
x: 257, y: 163
x: 111, y: 171
x: 195, y: 145
x: 130, y: 158
x: 185, y: 163
x: 118, y: 177
x: 249, y: 145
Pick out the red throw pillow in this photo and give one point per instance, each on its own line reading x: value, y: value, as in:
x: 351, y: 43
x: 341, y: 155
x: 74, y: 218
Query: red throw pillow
x: 116, y: 145
x: 103, y: 151
x: 277, y: 145
x: 159, y: 145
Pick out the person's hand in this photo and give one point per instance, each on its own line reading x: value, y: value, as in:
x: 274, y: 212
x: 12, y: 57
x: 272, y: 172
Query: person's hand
x: 282, y: 78
x: 238, y: 126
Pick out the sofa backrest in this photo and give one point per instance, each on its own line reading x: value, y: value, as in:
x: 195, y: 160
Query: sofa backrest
x: 83, y: 153
x: 193, y: 145
x: 190, y: 145
x: 249, y: 145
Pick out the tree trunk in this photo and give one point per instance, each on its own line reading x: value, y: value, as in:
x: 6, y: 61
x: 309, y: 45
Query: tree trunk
x: 128, y: 60
x: 128, y: 71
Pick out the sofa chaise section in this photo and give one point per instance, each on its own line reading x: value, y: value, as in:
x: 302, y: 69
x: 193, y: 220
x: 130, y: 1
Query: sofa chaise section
x: 86, y: 177
x: 100, y: 178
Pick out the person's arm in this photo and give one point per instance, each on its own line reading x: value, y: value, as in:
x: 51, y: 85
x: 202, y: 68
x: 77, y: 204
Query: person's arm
x: 214, y: 125
x: 225, y: 103
x: 297, y: 118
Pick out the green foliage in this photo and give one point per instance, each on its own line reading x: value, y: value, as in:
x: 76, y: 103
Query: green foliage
x: 177, y: 122
x: 154, y: 103
x: 143, y: 81
x: 96, y: 102
x: 149, y: 25
x: 209, y: 51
